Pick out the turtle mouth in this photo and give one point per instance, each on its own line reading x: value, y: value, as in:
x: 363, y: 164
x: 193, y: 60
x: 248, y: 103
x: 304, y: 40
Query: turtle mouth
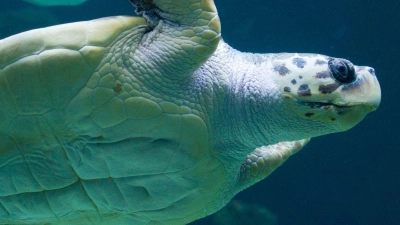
x: 322, y: 105
x: 340, y: 109
x: 328, y: 107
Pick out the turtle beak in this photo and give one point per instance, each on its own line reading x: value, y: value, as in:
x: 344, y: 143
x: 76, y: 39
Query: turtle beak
x: 359, y: 97
x: 365, y: 91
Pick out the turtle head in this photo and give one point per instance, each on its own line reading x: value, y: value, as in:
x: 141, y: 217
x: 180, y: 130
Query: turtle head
x: 324, y: 89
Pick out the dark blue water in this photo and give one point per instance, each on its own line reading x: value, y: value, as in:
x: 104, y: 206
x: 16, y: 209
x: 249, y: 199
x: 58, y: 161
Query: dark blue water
x: 348, y: 178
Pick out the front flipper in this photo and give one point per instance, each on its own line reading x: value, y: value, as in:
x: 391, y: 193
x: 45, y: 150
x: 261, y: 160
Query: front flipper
x: 183, y: 35
x: 264, y: 160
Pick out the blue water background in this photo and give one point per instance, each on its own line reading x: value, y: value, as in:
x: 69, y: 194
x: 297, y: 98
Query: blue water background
x: 347, y: 178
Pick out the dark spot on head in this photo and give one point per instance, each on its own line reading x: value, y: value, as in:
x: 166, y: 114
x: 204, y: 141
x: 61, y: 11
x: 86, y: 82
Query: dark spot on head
x: 286, y: 89
x: 299, y: 62
x: 294, y: 82
x: 301, y: 77
x: 333, y: 119
x: 323, y: 75
x: 355, y: 84
x: 320, y: 62
x: 327, y: 89
x: 118, y: 88
x: 304, y: 90
x: 281, y: 69
x: 309, y: 114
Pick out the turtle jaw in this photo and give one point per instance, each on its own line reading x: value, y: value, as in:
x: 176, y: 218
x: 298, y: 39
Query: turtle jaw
x: 352, y: 115
x: 341, y: 116
x: 368, y: 106
x: 335, y: 115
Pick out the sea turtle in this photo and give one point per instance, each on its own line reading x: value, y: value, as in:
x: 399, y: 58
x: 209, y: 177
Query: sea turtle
x: 154, y: 119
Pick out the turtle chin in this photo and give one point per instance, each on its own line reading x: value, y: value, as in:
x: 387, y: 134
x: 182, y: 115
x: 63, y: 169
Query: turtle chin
x: 338, y: 117
x: 349, y: 116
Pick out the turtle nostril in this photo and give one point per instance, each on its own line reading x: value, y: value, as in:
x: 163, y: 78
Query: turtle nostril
x: 371, y: 71
x: 342, y: 70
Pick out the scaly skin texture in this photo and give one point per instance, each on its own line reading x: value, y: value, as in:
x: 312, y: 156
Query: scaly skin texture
x: 130, y: 121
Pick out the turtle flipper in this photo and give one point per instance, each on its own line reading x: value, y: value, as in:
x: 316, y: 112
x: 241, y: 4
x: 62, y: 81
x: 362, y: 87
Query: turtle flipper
x: 264, y: 160
x: 183, y: 35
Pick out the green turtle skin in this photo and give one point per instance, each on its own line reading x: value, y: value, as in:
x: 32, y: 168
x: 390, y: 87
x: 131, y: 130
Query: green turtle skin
x: 154, y: 119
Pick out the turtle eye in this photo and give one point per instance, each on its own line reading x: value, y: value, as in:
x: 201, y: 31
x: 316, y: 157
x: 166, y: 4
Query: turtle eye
x: 342, y: 70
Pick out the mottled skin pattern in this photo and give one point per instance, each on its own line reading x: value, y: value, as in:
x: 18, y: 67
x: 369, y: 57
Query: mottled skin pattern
x: 129, y: 120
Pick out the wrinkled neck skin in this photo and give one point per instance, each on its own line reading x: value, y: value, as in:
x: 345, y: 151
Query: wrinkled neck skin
x: 251, y: 113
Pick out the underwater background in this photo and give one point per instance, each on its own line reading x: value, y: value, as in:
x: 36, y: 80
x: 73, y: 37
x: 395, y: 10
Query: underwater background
x: 346, y: 178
